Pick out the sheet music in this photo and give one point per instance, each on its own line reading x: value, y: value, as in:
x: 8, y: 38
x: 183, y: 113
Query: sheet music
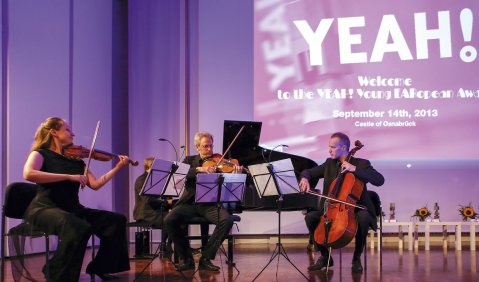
x: 177, y: 183
x: 156, y: 182
x: 206, y: 187
x: 283, y: 172
x: 263, y: 181
x: 232, y: 189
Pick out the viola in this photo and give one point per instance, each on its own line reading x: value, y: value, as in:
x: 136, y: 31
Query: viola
x: 338, y: 225
x: 80, y: 152
x: 221, y: 164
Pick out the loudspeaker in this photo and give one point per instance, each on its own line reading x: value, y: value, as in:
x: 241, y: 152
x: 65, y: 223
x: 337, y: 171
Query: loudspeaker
x: 142, y: 243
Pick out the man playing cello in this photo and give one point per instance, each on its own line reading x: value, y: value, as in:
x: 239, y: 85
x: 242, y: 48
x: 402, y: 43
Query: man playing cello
x: 339, y: 149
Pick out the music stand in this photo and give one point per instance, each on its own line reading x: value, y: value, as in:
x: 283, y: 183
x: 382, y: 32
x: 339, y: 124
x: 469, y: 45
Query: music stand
x: 165, y: 179
x: 220, y: 188
x: 232, y: 187
x: 276, y: 179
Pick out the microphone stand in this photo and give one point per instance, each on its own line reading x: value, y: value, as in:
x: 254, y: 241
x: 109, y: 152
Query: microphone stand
x: 182, y: 153
x: 174, y: 148
x: 270, y: 153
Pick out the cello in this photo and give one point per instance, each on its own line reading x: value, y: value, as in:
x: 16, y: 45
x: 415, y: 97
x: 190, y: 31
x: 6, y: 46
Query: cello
x: 338, y: 225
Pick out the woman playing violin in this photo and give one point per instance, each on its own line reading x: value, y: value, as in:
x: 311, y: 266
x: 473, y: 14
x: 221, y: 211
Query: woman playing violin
x: 56, y: 208
x: 338, y: 149
x: 186, y: 208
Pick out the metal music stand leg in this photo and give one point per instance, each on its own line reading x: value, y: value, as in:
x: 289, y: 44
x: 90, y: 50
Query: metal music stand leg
x: 158, y: 253
x: 279, y: 250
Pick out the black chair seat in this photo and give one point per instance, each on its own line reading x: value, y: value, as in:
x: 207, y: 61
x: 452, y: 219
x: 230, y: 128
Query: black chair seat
x: 25, y: 229
x: 236, y: 218
x: 202, y: 220
x: 138, y: 224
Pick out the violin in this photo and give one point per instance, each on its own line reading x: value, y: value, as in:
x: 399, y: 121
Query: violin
x: 221, y: 164
x: 80, y: 152
x: 338, y: 225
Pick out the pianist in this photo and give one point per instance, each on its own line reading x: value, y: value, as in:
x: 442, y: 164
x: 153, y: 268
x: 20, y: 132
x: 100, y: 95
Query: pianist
x: 186, y: 208
x: 362, y: 169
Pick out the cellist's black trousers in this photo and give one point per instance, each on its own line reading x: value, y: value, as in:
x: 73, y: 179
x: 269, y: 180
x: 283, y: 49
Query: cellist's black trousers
x: 364, y: 220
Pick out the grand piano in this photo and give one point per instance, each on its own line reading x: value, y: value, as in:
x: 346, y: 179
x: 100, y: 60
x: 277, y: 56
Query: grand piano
x: 247, y: 151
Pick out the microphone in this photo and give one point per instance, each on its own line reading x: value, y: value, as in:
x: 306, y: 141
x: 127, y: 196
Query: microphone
x: 174, y: 148
x: 280, y: 145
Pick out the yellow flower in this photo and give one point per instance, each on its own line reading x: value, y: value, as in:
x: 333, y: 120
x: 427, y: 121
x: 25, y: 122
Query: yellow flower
x: 423, y: 212
x: 467, y: 212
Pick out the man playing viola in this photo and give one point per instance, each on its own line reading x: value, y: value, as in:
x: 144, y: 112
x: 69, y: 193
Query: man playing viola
x: 339, y: 149
x: 186, y: 208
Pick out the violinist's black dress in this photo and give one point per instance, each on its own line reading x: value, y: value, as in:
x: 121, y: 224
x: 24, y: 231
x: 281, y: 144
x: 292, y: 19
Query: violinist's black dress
x: 56, y: 209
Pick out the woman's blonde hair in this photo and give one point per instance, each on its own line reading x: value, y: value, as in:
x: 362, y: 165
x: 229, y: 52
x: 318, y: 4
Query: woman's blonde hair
x: 43, y: 136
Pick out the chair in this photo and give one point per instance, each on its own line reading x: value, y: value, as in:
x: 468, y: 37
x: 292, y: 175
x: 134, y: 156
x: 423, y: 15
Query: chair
x: 379, y: 214
x: 18, y: 196
x: 204, y: 227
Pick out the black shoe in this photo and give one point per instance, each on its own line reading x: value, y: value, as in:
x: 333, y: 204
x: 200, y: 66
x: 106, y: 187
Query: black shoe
x: 44, y: 270
x: 356, y: 267
x: 206, y: 264
x: 321, y: 263
x: 188, y: 264
x: 102, y: 276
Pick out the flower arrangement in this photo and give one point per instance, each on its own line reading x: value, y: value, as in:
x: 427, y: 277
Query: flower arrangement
x: 422, y: 213
x: 467, y: 212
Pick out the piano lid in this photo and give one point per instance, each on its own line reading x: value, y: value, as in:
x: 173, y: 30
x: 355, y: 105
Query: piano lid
x: 247, y: 151
x: 247, y: 140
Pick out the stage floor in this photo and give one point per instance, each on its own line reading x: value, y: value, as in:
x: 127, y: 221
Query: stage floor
x: 433, y: 265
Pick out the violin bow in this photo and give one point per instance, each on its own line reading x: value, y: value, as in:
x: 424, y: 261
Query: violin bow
x: 229, y: 147
x: 336, y: 200
x: 91, y: 151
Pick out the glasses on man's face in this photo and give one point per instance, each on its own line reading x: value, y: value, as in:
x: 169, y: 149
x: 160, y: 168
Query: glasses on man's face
x: 206, y: 146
